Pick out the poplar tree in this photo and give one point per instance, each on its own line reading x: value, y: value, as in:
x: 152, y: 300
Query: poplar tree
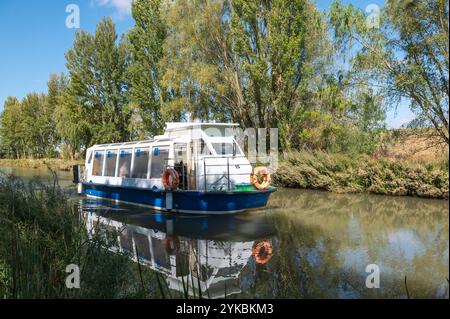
x: 146, y: 49
x: 97, y: 67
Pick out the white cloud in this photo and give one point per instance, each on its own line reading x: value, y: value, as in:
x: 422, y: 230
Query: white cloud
x: 123, y: 7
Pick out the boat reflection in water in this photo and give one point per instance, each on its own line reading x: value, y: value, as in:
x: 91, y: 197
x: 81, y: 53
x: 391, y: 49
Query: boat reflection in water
x: 204, y: 252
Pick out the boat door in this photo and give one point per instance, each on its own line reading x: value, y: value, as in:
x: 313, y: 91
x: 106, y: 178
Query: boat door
x: 181, y: 163
x: 184, y: 163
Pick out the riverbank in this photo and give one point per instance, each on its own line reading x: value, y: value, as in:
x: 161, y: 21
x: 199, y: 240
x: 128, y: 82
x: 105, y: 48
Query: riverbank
x: 338, y: 173
x: 41, y: 233
x: 56, y: 164
x: 362, y: 174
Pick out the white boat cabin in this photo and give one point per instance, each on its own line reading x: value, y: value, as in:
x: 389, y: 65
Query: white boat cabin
x: 206, y: 156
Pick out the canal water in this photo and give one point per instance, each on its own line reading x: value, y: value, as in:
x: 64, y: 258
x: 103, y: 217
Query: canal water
x: 306, y: 244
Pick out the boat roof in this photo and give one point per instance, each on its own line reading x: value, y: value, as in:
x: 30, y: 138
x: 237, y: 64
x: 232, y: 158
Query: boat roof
x: 170, y: 126
x: 186, y: 125
x: 123, y: 143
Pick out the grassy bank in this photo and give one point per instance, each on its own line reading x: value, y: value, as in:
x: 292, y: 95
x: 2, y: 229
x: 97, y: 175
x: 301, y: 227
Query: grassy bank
x: 41, y: 233
x: 362, y: 174
x: 54, y: 163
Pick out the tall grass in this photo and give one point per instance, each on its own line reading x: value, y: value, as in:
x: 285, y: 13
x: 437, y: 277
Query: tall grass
x: 41, y: 232
x: 55, y: 163
x: 361, y: 173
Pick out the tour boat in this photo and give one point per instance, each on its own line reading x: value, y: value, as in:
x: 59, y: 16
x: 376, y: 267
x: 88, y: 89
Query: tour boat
x: 191, y: 168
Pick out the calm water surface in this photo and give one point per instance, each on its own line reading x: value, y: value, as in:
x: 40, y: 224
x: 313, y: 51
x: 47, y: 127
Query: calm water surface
x: 321, y: 244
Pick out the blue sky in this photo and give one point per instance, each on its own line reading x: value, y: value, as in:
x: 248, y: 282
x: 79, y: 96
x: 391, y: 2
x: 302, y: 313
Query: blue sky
x: 34, y: 38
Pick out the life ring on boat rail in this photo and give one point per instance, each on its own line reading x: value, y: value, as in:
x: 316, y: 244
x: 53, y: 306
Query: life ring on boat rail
x: 258, y: 172
x: 262, y: 251
x: 170, y: 178
x: 171, y: 245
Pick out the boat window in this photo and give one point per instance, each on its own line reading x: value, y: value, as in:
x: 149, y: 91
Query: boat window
x: 204, y: 148
x: 142, y: 247
x: 140, y: 165
x: 125, y: 162
x: 97, y: 168
x: 180, y: 153
x: 160, y: 255
x: 110, y: 163
x: 225, y: 148
x: 159, y: 158
x: 125, y: 240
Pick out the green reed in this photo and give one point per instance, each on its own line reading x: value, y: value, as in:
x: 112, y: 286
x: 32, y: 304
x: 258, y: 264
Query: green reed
x: 41, y: 232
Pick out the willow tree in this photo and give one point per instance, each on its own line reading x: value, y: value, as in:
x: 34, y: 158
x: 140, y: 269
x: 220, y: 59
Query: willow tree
x: 250, y: 62
x: 191, y: 71
x: 404, y: 52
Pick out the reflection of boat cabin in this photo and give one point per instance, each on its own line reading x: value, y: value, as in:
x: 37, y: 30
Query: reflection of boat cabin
x: 208, y: 265
x: 206, y: 157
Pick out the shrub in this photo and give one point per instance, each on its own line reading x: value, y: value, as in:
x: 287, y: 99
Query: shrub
x: 362, y: 173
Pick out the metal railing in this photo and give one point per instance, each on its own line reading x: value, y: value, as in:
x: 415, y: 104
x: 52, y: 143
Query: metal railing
x: 227, y: 176
x: 204, y: 159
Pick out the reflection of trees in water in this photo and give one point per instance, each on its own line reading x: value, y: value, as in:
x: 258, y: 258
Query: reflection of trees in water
x: 326, y: 240
x: 295, y: 271
x: 368, y: 213
x: 385, y: 211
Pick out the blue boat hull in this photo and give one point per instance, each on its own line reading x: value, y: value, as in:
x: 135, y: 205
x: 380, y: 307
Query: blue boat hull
x: 183, y: 201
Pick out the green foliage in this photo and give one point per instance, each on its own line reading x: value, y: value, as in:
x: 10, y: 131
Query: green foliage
x: 72, y: 125
x: 146, y: 49
x: 257, y: 63
x: 249, y: 62
x: 407, y: 56
x: 269, y: 40
x: 27, y: 127
x: 98, y: 88
x: 10, y: 128
x: 193, y: 72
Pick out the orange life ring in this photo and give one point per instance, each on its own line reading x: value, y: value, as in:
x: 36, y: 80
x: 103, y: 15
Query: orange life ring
x: 262, y: 251
x: 255, y: 176
x: 170, y: 178
x: 171, y: 245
